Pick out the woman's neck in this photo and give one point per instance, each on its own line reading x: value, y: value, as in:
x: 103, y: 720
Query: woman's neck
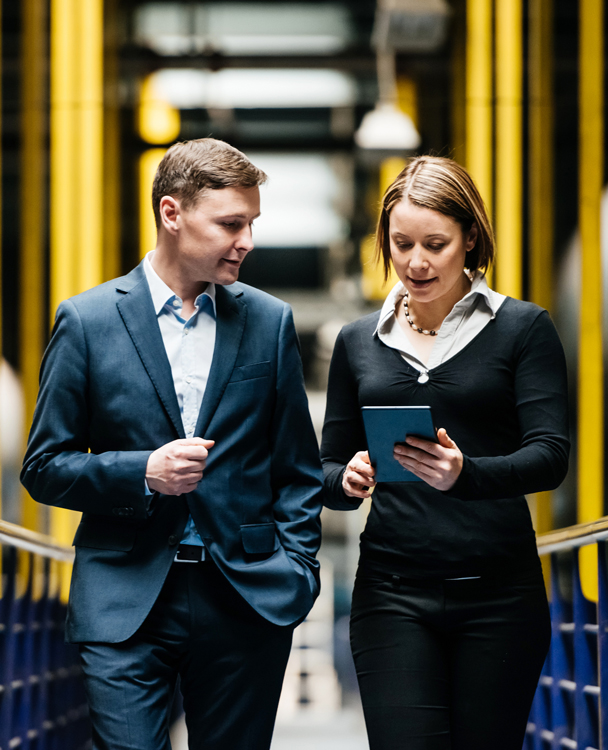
x: 430, y: 315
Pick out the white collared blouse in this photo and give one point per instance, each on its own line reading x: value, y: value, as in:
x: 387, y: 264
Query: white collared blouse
x: 468, y: 317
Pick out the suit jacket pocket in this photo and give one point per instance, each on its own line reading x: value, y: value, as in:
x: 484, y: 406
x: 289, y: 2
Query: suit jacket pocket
x: 250, y: 372
x: 259, y: 538
x: 102, y: 535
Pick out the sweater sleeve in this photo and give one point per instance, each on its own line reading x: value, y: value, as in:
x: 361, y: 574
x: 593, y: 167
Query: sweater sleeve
x: 541, y: 403
x: 343, y: 431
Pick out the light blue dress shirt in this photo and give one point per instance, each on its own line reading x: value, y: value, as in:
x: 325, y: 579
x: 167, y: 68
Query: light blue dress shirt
x: 189, y: 345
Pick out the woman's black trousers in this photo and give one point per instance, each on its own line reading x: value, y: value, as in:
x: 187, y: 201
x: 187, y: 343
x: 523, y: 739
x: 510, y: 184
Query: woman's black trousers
x: 448, y: 664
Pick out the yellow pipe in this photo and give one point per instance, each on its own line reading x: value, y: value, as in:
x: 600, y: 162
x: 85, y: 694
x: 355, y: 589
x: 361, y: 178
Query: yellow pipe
x: 148, y: 163
x: 540, y: 169
x: 76, y: 171
x: 64, y: 198
x: 479, y: 96
x: 158, y: 121
x: 64, y: 194
x: 32, y: 316
x: 509, y: 54
x: 590, y: 374
x: 111, y: 147
x: 90, y: 142
x: 540, y: 82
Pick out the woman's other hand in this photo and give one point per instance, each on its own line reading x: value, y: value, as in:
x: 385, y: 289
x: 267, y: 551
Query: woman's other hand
x: 437, y: 464
x: 358, y: 476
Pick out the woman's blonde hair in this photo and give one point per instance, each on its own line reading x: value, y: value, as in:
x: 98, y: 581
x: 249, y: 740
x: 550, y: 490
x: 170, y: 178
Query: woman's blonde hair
x: 442, y: 185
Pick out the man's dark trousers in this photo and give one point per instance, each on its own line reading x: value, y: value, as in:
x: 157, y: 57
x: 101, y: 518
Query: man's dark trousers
x: 106, y: 402
x: 230, y: 660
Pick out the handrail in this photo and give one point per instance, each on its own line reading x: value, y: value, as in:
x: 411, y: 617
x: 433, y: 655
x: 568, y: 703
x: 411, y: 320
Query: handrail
x: 42, y: 697
x: 570, y: 707
x: 32, y: 541
x: 573, y: 536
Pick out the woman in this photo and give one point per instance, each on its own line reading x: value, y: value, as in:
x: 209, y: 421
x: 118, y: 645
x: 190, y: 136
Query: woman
x: 449, y: 621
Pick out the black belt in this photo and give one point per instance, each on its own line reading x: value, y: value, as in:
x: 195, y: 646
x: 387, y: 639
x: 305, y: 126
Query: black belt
x: 189, y: 553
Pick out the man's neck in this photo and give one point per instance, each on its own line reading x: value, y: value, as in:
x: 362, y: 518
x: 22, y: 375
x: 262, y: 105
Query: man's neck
x: 177, y: 279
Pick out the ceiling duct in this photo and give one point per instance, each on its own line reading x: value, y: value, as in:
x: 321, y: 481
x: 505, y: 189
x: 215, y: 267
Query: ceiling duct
x: 411, y: 26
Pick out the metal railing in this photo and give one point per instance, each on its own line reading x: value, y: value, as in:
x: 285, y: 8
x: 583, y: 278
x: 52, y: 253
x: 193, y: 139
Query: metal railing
x: 570, y: 710
x: 42, y: 701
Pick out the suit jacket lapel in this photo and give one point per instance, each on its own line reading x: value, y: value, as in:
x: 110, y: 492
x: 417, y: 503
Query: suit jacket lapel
x: 137, y: 311
x: 231, y: 316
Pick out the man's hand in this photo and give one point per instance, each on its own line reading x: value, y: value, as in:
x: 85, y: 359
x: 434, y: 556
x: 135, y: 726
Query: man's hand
x: 358, y: 476
x: 438, y: 464
x: 177, y: 467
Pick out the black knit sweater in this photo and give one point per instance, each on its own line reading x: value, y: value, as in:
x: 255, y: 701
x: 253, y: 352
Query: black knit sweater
x: 502, y: 399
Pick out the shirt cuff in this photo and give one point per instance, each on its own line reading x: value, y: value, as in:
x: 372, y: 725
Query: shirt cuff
x: 149, y: 495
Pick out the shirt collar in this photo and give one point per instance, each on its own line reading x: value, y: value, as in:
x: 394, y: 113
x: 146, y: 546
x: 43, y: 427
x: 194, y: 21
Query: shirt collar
x: 162, y: 294
x: 479, y: 287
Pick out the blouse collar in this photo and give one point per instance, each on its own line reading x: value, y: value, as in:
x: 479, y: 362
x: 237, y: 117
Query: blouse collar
x: 479, y: 291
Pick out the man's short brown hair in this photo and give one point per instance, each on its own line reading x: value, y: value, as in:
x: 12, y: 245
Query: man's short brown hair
x: 191, y: 167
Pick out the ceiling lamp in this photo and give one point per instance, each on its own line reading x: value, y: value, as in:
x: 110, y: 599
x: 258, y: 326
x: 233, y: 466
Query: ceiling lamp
x: 386, y: 130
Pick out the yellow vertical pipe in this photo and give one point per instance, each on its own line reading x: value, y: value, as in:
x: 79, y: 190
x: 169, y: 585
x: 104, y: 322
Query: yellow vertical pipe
x: 148, y: 164
x: 89, y: 238
x: 590, y: 370
x: 76, y: 170
x: 509, y: 54
x: 540, y: 170
x: 112, y: 266
x: 479, y: 96
x: 111, y: 197
x: 64, y: 192
x: 32, y: 316
x: 64, y: 198
x: 540, y: 83
x: 158, y: 122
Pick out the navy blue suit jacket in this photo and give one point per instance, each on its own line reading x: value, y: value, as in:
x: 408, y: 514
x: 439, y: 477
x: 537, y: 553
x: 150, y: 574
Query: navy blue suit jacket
x: 107, y: 401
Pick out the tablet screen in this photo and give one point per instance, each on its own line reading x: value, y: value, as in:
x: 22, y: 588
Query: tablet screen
x: 387, y: 425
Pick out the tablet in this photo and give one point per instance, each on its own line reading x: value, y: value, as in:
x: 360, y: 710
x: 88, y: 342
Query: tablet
x: 387, y: 425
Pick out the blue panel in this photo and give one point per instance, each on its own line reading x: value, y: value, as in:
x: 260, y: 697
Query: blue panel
x: 568, y: 707
x: 42, y: 700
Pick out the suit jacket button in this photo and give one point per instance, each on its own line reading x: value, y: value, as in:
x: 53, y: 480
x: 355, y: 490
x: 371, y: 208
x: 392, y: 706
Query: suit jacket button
x: 173, y: 540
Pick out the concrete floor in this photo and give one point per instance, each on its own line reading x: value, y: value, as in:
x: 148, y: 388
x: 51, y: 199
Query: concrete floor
x: 341, y: 731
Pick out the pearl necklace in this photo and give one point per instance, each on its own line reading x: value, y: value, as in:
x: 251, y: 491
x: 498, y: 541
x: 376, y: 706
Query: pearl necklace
x: 410, y: 320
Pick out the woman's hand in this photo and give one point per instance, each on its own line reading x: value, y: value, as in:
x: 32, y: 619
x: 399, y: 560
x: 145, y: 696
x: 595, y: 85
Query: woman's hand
x: 438, y: 464
x: 358, y: 476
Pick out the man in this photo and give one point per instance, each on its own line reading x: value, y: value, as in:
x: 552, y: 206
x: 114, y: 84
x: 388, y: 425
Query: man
x: 172, y: 413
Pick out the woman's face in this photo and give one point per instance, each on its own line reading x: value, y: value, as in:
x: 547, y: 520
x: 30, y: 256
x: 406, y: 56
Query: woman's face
x: 428, y: 250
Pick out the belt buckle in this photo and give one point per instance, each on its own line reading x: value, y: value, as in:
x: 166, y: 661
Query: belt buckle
x: 189, y: 553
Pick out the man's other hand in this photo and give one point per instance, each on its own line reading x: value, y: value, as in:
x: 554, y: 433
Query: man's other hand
x: 177, y: 467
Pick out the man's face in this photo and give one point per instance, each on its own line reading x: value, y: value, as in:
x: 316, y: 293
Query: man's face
x: 215, y: 234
